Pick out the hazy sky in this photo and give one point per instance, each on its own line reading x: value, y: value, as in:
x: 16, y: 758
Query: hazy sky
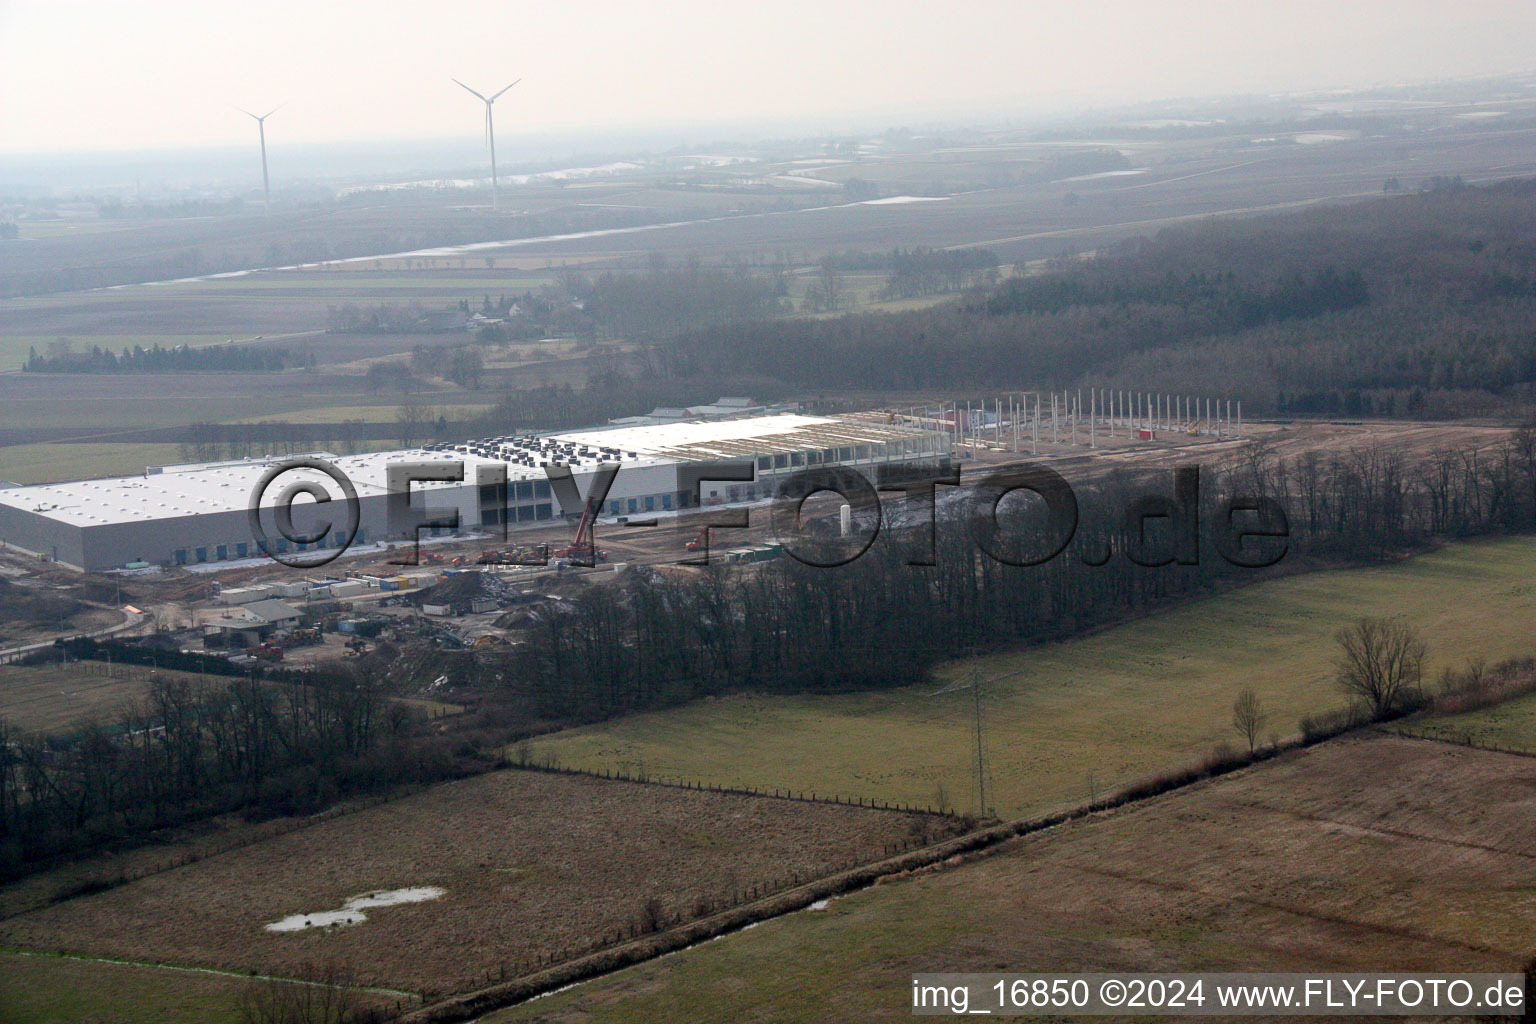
x: 133, y: 74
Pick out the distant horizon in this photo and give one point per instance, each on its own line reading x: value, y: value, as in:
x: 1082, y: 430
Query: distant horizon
x: 953, y: 115
x: 90, y: 76
x: 463, y: 151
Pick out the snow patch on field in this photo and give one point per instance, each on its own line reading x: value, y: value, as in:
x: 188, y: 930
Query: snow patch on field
x: 1109, y: 174
x: 351, y: 911
x: 895, y: 200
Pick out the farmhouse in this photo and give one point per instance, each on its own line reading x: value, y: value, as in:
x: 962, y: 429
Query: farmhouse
x: 192, y: 514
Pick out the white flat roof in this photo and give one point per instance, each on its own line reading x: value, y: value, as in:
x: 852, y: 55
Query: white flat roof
x: 176, y: 491
x: 697, y: 440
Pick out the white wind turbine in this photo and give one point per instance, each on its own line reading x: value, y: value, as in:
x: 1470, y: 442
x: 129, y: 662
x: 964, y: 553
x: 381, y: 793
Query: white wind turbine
x: 490, y: 129
x: 261, y: 127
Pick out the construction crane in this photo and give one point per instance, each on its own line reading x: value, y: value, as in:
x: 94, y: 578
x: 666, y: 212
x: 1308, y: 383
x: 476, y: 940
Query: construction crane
x: 582, y: 547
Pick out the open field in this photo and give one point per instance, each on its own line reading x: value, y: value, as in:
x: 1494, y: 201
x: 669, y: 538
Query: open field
x: 530, y: 864
x: 989, y: 194
x: 386, y: 409
x: 1510, y: 725
x: 373, y: 285
x: 49, y: 698
x: 54, y: 698
x: 1362, y: 854
x: 1064, y: 721
x: 55, y: 990
x: 107, y: 403
x: 46, y: 463
x: 1226, y: 174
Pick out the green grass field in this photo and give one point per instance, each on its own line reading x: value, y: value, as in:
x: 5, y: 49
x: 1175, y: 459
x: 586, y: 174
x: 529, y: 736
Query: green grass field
x: 44, y: 989
x: 53, y: 463
x: 1507, y: 726
x: 55, y: 990
x: 382, y: 413
x: 47, y: 463
x: 1082, y: 717
x: 64, y: 228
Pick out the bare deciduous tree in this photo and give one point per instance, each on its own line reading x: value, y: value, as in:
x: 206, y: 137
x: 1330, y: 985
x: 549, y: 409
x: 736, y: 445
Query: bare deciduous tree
x: 1380, y: 661
x: 318, y: 994
x: 412, y: 419
x: 1248, y: 717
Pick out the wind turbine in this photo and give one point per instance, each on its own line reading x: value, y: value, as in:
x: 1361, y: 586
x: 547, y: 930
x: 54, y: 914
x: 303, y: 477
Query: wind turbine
x: 490, y: 129
x: 261, y: 126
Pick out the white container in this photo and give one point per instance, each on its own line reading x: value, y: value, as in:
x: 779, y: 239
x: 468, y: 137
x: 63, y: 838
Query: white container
x: 244, y: 595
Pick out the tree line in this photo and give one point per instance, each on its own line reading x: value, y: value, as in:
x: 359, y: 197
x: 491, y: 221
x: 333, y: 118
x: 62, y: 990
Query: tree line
x: 158, y: 359
x: 191, y: 750
x: 880, y: 622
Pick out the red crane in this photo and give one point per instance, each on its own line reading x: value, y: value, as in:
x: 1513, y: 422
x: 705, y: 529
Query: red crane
x: 582, y: 547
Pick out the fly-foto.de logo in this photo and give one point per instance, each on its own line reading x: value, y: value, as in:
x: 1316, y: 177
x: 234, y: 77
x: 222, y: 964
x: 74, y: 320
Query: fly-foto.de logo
x: 1020, y: 516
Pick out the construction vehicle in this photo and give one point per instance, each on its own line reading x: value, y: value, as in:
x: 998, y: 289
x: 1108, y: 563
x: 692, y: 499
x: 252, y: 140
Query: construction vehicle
x: 268, y: 652
x: 515, y: 556
x: 582, y: 548
x: 700, y: 542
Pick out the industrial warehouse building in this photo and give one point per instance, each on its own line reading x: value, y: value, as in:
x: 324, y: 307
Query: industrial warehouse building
x: 186, y: 515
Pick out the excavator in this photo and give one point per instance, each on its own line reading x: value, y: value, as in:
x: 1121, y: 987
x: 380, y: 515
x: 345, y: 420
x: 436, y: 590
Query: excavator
x: 582, y: 548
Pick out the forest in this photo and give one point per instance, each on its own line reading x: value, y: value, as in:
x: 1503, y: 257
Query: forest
x: 1418, y: 305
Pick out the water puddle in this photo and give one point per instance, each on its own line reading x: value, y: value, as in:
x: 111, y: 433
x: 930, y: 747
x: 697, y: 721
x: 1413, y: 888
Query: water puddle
x: 351, y: 911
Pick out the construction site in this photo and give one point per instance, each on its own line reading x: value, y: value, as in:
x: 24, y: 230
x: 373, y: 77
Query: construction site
x: 179, y: 536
